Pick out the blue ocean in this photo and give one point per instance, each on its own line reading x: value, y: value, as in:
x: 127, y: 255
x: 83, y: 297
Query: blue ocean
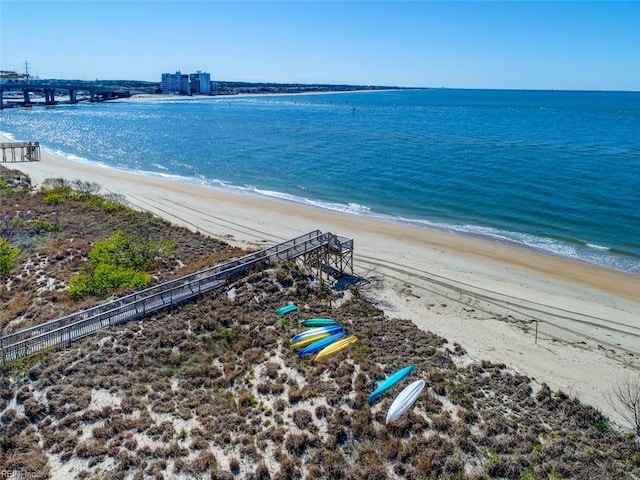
x: 554, y: 171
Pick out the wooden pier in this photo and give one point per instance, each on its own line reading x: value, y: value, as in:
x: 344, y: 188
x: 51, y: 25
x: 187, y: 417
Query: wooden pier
x: 20, y: 152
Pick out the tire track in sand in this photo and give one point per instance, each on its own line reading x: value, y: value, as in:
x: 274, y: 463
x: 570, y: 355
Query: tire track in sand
x: 152, y: 205
x: 534, y: 311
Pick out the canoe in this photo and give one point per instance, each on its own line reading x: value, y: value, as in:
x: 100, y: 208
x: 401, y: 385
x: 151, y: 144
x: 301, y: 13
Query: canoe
x: 320, y: 344
x: 318, y: 322
x: 303, y: 342
x: 335, y: 347
x: 390, y: 382
x: 404, y: 400
x: 330, y: 329
x: 286, y: 309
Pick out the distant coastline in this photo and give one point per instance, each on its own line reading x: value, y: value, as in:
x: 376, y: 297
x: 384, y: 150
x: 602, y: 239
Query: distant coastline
x: 49, y: 92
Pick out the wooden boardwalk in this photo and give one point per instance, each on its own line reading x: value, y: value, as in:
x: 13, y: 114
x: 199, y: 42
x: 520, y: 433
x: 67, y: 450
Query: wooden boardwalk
x: 61, y: 332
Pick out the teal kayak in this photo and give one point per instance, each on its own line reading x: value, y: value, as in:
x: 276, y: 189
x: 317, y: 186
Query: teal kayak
x: 390, y: 382
x: 286, y: 309
x: 320, y: 344
x: 318, y: 322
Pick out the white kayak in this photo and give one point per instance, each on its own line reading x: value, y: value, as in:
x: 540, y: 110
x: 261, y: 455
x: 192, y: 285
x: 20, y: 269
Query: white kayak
x: 404, y: 400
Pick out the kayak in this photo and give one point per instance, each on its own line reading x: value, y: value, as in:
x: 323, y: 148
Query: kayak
x: 320, y: 344
x: 390, y: 382
x: 303, y: 342
x: 330, y: 329
x: 404, y: 400
x: 286, y: 309
x: 335, y: 347
x: 318, y: 322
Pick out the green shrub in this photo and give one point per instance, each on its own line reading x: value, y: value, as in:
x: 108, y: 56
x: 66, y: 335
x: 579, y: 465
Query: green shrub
x: 54, y: 198
x: 98, y: 202
x: 8, y: 255
x: 57, y: 185
x: 6, y: 442
x: 41, y: 226
x: 105, y: 278
x: 126, y: 251
x: 116, y: 262
x: 56, y: 191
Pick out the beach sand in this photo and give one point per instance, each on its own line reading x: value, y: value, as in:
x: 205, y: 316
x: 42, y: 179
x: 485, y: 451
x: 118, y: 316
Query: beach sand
x: 486, y: 296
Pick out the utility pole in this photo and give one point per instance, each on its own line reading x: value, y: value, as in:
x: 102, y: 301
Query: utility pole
x: 26, y: 70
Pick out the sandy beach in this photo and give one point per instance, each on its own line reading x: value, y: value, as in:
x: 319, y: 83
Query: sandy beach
x: 490, y: 298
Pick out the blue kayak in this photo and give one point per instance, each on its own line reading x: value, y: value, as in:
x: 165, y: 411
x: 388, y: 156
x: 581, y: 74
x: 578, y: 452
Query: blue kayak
x: 390, y: 382
x: 331, y: 329
x: 320, y: 344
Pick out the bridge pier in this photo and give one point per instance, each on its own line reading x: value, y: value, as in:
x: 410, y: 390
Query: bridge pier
x: 49, y: 96
x: 72, y: 96
x: 25, y: 93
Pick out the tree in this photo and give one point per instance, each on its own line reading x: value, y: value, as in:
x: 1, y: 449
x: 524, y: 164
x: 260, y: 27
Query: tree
x: 624, y: 398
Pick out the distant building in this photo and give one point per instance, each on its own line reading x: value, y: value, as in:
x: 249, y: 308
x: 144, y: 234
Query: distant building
x: 175, y: 83
x: 11, y: 76
x: 200, y: 83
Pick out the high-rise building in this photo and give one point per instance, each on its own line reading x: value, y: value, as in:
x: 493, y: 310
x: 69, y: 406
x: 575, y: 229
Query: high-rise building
x: 175, y: 83
x: 200, y: 83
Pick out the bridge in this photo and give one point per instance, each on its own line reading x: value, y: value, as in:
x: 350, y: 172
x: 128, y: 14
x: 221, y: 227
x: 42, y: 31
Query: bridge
x: 96, y: 91
x: 326, y: 253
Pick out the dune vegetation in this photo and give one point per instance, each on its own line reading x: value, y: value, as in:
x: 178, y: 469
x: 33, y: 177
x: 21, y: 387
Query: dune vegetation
x: 213, y: 389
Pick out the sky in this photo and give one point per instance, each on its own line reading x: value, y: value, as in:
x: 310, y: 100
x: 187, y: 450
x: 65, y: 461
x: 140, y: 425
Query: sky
x: 568, y: 45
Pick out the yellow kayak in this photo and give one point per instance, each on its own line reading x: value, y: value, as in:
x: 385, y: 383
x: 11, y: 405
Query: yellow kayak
x: 310, y: 339
x: 336, y: 347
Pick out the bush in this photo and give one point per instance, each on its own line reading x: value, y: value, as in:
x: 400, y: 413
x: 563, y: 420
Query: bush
x: 54, y: 198
x: 43, y: 226
x: 85, y: 189
x: 103, y: 203
x: 116, y: 262
x: 56, y: 191
x: 127, y: 251
x: 8, y: 255
x: 104, y: 279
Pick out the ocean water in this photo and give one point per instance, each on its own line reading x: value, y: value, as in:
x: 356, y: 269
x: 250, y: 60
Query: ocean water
x: 554, y: 171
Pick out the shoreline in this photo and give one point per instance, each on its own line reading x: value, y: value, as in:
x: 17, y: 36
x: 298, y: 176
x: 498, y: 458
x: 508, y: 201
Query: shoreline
x: 484, y: 295
x: 500, y: 237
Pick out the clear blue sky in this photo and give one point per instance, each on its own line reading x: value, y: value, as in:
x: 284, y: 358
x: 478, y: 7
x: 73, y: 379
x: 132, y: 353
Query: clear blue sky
x: 539, y: 45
